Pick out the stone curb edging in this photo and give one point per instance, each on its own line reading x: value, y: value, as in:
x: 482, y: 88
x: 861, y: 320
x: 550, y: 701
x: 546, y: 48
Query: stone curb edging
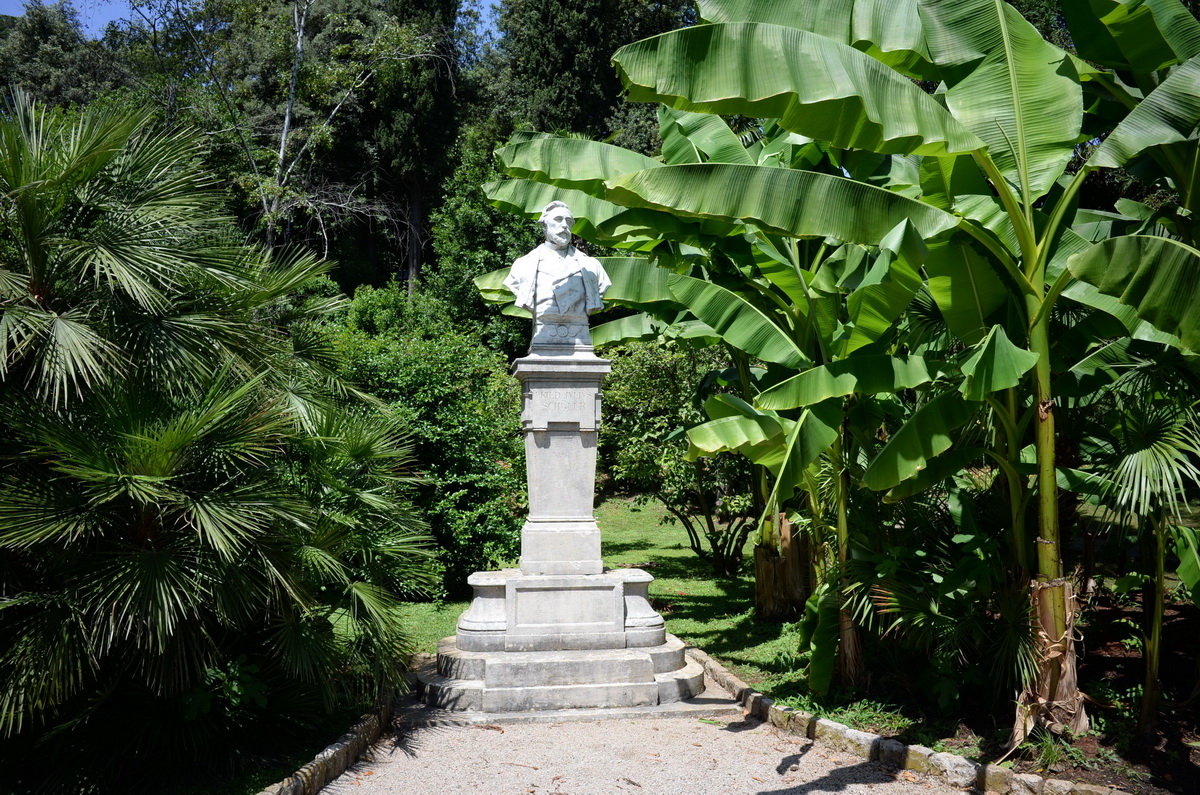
x: 951, y: 768
x: 335, y: 759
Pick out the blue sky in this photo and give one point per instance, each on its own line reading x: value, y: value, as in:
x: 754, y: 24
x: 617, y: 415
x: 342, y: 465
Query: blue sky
x: 94, y: 14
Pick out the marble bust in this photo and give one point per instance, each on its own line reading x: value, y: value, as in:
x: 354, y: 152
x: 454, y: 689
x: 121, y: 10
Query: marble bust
x: 558, y: 284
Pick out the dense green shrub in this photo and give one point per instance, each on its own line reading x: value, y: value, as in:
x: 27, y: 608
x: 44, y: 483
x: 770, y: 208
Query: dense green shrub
x: 653, y: 392
x: 462, y: 407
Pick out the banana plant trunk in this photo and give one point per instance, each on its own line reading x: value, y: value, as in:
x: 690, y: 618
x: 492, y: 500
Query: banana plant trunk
x: 850, y: 665
x: 780, y: 573
x: 1053, y: 700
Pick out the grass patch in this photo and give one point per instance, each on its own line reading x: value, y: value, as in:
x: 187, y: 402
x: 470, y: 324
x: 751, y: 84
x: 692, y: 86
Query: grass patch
x: 714, y: 613
x: 429, y: 622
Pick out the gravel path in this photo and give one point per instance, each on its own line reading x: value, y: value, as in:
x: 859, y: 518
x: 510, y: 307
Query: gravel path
x: 675, y: 756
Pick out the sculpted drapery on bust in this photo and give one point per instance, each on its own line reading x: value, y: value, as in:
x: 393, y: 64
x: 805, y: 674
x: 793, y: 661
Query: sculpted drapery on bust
x: 558, y: 283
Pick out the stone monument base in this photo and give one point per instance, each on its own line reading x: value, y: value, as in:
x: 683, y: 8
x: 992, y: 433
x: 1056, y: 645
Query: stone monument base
x: 548, y: 642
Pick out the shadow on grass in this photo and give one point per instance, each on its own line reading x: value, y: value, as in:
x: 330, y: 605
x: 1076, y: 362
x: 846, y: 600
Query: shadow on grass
x: 621, y: 548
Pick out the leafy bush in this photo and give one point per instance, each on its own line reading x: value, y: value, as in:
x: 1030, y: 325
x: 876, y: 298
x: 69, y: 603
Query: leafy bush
x: 462, y: 407
x: 651, y: 393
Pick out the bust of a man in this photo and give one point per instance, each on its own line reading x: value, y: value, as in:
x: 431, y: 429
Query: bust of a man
x: 558, y: 284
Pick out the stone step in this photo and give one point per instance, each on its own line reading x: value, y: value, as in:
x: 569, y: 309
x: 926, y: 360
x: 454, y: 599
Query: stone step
x: 517, y: 682
x: 667, y: 657
x: 613, y: 694
x: 566, y: 668
x: 470, y: 695
x: 457, y: 695
x: 680, y: 684
x: 454, y: 663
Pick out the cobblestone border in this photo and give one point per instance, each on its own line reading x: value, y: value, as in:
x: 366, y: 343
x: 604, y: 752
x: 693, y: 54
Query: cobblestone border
x: 336, y: 758
x: 954, y: 770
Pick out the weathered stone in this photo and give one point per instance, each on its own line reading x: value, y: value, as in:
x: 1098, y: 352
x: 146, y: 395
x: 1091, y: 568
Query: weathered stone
x: 957, y: 771
x: 1027, y: 784
x: 891, y: 752
x: 738, y: 689
x: 997, y: 779
x: 1057, y: 786
x: 762, y: 709
x: 862, y: 744
x: 1092, y: 789
x: 831, y: 733
x: 916, y: 757
x: 779, y: 716
x: 801, y: 723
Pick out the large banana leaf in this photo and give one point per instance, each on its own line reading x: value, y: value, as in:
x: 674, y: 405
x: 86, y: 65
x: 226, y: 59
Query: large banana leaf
x: 785, y: 201
x: 812, y: 85
x: 943, y: 179
x: 922, y: 437
x: 1140, y: 36
x: 813, y: 433
x: 944, y: 466
x: 887, y: 31
x: 1156, y: 276
x: 996, y: 364
x: 757, y: 435
x: 965, y: 288
x: 698, y: 137
x: 626, y: 329
x: 863, y: 375
x: 1170, y: 114
x: 649, y: 327
x: 1009, y: 86
x: 635, y: 281
x: 1139, y: 329
x: 491, y: 287
x: 740, y: 323
x: 819, y: 630
x: 573, y: 163
x: 886, y: 290
x: 731, y: 434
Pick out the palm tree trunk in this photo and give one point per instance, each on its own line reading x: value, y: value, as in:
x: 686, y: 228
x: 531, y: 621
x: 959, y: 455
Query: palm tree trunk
x: 1154, y: 610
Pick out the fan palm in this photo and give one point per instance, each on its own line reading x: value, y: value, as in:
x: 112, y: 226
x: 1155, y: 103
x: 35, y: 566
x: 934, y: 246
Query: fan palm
x: 201, y: 531
x: 1151, y: 455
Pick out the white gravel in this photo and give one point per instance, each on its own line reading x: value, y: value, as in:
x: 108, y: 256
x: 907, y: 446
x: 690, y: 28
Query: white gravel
x: 679, y: 756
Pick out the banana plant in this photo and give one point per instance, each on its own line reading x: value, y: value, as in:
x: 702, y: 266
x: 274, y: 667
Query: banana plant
x: 994, y: 143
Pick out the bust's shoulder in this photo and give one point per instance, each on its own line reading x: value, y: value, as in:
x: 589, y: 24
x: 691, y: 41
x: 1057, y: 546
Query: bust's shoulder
x: 526, y: 260
x: 584, y: 260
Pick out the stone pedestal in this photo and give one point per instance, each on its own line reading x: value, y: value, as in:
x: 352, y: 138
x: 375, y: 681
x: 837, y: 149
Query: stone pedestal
x: 561, y: 631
